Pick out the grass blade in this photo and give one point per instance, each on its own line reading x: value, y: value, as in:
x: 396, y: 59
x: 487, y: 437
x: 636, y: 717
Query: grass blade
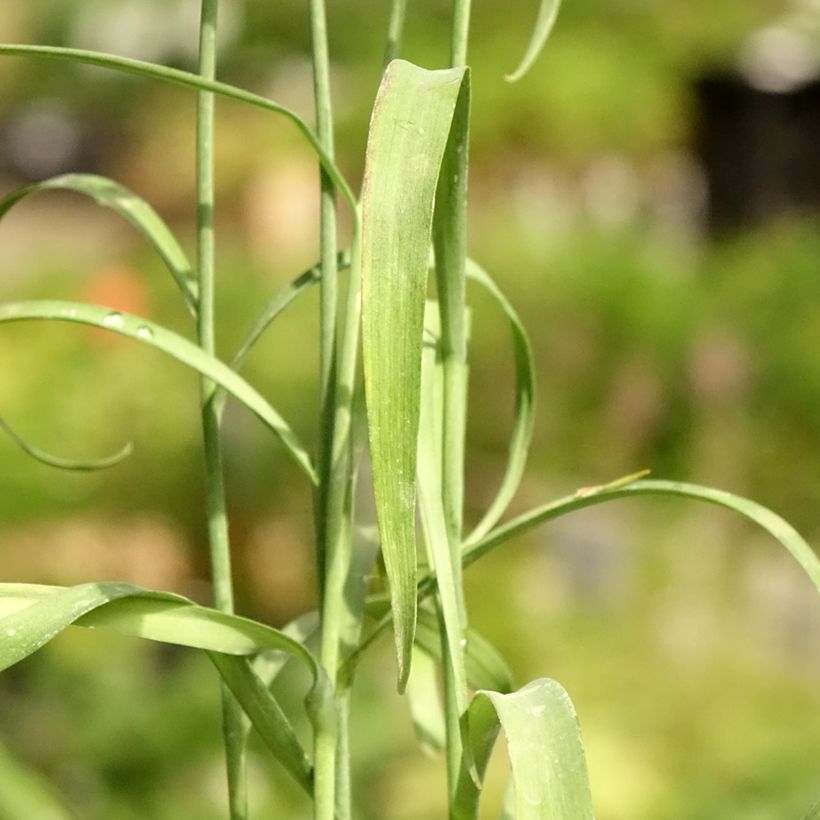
x: 524, y: 407
x: 549, y: 768
x: 547, y: 14
x: 60, y: 462
x: 408, y: 133
x: 138, y: 212
x: 172, y: 344
x: 32, y: 615
x: 152, y: 71
x: 622, y: 488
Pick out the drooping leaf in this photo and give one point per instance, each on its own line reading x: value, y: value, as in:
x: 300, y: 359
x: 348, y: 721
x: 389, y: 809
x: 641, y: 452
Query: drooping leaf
x: 524, y: 407
x: 174, y: 345
x: 138, y: 212
x: 61, y: 462
x: 549, y: 770
x: 32, y: 615
x: 409, y: 129
x: 547, y: 14
x: 588, y: 496
x: 153, y: 71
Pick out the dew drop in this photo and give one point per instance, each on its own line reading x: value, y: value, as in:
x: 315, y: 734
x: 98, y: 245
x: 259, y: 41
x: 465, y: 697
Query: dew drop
x: 11, y: 632
x: 114, y: 320
x: 145, y: 332
x: 463, y: 643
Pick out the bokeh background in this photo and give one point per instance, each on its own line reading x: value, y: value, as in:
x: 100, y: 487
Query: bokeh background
x: 648, y: 198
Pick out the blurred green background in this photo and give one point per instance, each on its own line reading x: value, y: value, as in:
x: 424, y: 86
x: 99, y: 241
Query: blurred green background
x: 688, y: 641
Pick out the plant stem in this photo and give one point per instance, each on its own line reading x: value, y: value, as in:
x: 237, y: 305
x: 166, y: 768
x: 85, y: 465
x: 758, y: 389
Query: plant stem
x: 394, y: 30
x: 332, y: 551
x: 461, y: 29
x: 215, y: 506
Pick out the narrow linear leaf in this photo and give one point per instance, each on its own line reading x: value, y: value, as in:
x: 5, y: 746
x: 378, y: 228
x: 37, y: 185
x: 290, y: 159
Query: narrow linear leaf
x: 588, y: 496
x: 172, y: 344
x: 138, y: 212
x: 549, y: 770
x: 60, y: 462
x: 189, y: 80
x: 524, y: 407
x: 547, y: 14
x: 32, y: 615
x: 409, y: 129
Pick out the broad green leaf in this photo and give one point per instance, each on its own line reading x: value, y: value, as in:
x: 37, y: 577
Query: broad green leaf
x: 524, y: 407
x: 25, y: 794
x: 127, y: 204
x: 547, y: 14
x: 189, y: 80
x: 409, y: 129
x: 628, y: 487
x: 549, y: 771
x: 32, y: 615
x: 61, y: 462
x: 174, y: 345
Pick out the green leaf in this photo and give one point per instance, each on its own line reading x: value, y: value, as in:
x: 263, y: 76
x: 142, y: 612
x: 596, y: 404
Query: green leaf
x: 409, y: 129
x: 547, y: 14
x: 627, y: 487
x: 549, y: 770
x: 524, y: 407
x: 60, y: 462
x: 175, y: 346
x: 139, y: 213
x: 188, y: 80
x: 32, y: 615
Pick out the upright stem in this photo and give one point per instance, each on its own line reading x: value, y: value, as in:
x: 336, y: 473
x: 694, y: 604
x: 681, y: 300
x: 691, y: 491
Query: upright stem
x: 461, y: 29
x: 331, y: 552
x: 394, y: 30
x: 214, y: 475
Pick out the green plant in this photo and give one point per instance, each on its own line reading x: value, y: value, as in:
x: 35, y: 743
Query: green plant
x: 414, y: 353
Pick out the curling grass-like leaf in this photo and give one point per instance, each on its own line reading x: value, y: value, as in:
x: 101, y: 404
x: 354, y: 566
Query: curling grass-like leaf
x: 173, y: 345
x: 61, y: 462
x: 32, y: 615
x: 547, y: 15
x: 549, y: 771
x: 524, y: 418
x: 409, y: 130
x: 776, y: 526
x: 127, y: 204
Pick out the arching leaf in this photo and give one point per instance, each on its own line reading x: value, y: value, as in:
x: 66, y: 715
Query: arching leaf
x: 127, y: 204
x: 170, y: 343
x: 547, y: 14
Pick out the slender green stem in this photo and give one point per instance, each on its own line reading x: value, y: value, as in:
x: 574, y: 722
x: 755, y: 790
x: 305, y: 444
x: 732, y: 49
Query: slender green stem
x: 461, y: 29
x: 333, y: 547
x: 395, y: 29
x: 233, y: 731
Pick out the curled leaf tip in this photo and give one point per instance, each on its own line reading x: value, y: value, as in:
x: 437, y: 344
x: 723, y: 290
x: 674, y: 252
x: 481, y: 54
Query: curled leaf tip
x: 62, y: 463
x: 547, y: 14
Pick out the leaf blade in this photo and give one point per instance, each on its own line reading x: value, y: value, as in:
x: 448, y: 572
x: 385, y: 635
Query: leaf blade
x: 172, y: 344
x: 408, y: 134
x: 544, y: 23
